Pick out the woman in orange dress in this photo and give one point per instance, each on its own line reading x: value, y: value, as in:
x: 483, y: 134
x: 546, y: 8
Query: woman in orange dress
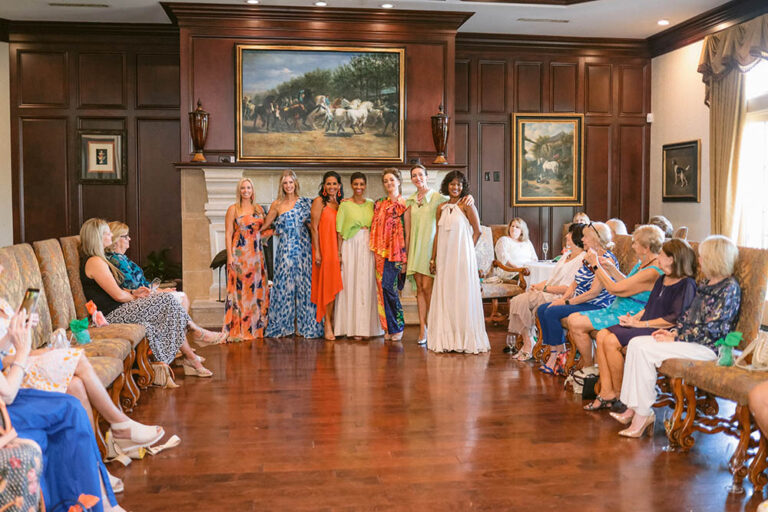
x: 245, y: 311
x: 326, y: 271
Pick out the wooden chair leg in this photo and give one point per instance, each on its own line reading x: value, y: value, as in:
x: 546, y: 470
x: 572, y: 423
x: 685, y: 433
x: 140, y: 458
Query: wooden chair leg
x: 116, y: 390
x: 685, y: 434
x: 100, y: 441
x: 758, y: 465
x: 737, y: 464
x: 145, y: 372
x: 570, y: 361
x: 131, y: 393
x: 539, y: 346
x: 674, y: 423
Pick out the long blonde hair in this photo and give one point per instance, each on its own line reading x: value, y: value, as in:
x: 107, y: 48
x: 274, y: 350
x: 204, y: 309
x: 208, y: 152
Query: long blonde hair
x: 118, y: 229
x: 239, y: 198
x: 524, y: 233
x: 280, y: 191
x: 92, y: 245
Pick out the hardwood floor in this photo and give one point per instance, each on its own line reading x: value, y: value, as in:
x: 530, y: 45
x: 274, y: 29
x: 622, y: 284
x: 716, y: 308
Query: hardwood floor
x: 311, y: 425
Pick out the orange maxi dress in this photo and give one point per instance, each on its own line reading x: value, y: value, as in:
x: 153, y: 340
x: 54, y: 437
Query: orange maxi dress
x: 326, y: 277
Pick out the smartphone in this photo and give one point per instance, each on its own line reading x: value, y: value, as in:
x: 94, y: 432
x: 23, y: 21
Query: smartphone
x: 30, y: 301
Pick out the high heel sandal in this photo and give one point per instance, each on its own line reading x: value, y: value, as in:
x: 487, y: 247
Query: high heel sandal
x: 141, y: 436
x: 649, y: 422
x: 397, y: 336
x: 190, y: 369
x: 603, y: 403
x: 622, y: 417
x: 203, y: 337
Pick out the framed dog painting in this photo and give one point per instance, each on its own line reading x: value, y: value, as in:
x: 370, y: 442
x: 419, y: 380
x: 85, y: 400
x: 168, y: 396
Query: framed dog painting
x: 681, y: 172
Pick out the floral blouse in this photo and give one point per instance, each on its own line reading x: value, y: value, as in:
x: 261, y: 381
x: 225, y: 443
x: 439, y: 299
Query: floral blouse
x: 388, y: 230
x: 712, y: 313
x: 133, y: 276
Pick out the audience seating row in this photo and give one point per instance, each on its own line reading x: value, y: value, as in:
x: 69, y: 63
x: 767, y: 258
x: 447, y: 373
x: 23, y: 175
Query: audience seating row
x: 692, y: 387
x: 53, y: 266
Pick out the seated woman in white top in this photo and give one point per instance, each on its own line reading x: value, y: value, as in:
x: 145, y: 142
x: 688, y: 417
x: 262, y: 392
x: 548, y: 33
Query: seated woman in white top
x: 515, y: 250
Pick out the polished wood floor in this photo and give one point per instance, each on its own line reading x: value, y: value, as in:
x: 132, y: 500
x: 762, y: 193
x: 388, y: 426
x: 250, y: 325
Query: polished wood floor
x: 309, y: 425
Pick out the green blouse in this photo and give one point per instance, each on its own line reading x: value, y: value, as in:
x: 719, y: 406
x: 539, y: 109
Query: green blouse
x: 423, y: 228
x: 352, y: 216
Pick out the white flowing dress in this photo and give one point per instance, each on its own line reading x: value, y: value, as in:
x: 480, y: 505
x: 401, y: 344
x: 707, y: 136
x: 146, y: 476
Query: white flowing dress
x: 356, y: 311
x: 456, y: 321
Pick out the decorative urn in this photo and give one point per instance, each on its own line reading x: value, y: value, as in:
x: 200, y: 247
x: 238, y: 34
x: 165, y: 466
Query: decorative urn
x: 440, y: 134
x: 198, y: 127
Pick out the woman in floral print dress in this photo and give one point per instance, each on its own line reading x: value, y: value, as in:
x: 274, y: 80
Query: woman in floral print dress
x: 245, y: 310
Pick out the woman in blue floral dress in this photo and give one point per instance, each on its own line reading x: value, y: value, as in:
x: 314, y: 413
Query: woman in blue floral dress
x: 290, y: 309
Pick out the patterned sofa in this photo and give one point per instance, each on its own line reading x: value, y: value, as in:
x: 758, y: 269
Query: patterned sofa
x: 111, y: 351
x: 487, y: 262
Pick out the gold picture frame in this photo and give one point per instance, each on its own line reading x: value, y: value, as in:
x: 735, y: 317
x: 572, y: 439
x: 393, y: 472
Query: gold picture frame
x: 299, y: 104
x: 548, y: 160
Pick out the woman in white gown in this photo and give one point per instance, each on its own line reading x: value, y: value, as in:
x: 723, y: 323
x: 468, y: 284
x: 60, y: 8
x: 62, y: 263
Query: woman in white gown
x: 456, y: 321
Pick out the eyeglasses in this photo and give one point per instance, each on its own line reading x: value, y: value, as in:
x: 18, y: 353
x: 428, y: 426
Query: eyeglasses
x: 599, y: 238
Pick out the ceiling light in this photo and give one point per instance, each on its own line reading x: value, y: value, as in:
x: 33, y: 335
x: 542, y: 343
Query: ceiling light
x: 321, y: 4
x: 387, y: 6
x: 252, y: 2
x: 663, y: 22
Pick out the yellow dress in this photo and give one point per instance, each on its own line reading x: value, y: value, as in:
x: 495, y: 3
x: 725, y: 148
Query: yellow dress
x: 49, y: 370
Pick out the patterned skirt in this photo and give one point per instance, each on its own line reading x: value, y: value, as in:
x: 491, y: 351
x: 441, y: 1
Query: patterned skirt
x: 163, y: 317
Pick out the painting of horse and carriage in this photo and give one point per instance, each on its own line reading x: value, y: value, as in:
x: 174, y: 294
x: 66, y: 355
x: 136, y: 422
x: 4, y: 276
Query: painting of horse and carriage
x: 548, y: 160
x: 320, y: 104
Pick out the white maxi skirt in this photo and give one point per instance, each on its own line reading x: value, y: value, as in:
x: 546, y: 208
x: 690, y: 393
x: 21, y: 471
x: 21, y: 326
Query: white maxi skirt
x: 356, y: 311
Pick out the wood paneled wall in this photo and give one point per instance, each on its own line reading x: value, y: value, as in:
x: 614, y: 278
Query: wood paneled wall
x: 209, y: 33
x: 66, y: 77
x: 610, y: 86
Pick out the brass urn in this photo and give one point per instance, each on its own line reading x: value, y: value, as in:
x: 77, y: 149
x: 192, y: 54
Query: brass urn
x: 198, y: 127
x: 440, y: 134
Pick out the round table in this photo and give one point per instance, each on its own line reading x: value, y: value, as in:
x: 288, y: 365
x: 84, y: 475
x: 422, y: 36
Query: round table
x: 540, y: 271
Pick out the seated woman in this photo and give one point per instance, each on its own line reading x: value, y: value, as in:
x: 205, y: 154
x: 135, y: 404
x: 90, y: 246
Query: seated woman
x: 711, y: 316
x: 515, y: 249
x: 663, y: 224
x: 632, y: 290
x: 58, y: 424
x: 163, y: 317
x: 580, y: 218
x: 522, y: 307
x: 21, y: 461
x: 671, y: 296
x: 585, y: 293
x: 133, y: 279
x: 617, y: 227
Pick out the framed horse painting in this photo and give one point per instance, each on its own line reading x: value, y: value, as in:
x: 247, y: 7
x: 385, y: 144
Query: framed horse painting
x: 681, y: 172
x: 548, y: 160
x: 320, y: 104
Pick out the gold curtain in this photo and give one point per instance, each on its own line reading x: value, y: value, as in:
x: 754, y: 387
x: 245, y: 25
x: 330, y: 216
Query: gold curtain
x: 724, y: 58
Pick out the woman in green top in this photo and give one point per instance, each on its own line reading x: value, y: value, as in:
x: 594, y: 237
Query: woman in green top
x: 356, y: 313
x: 423, y: 204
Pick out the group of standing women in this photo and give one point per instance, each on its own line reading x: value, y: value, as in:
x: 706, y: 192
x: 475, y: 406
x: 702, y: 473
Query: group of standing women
x: 341, y: 263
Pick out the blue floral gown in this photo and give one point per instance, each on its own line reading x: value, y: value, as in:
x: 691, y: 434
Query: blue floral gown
x: 290, y: 309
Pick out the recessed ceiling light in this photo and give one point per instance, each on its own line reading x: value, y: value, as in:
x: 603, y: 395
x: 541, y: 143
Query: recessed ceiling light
x: 321, y: 4
x: 663, y: 22
x: 387, y: 6
x: 252, y: 2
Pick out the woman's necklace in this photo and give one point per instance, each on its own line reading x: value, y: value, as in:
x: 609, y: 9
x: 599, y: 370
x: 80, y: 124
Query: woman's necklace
x: 646, y: 265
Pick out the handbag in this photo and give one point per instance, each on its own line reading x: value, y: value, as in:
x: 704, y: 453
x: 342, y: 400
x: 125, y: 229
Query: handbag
x: 758, y: 348
x: 583, y: 380
x: 163, y: 375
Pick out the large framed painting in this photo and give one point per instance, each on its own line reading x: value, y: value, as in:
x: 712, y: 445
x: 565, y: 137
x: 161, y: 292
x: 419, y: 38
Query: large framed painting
x: 548, y: 153
x: 103, y: 156
x: 681, y: 172
x: 311, y: 104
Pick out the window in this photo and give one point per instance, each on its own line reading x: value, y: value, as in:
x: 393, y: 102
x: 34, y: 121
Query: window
x: 753, y: 161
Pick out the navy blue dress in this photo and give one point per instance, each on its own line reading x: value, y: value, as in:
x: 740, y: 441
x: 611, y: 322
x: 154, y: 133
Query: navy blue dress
x: 71, y: 460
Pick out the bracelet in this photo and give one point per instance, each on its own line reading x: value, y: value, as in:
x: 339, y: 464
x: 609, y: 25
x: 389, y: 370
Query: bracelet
x: 23, y: 368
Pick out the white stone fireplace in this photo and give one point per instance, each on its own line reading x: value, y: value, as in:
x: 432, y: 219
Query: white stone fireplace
x: 207, y: 190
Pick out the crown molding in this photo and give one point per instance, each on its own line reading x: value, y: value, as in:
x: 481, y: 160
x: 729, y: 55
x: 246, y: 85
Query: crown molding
x: 20, y: 31
x: 706, y: 23
x: 183, y: 14
x: 587, y: 46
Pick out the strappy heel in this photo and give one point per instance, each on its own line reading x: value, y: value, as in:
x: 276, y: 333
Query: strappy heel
x: 603, y: 403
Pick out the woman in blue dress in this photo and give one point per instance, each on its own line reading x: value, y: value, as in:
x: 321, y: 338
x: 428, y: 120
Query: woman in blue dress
x: 58, y: 423
x: 290, y: 309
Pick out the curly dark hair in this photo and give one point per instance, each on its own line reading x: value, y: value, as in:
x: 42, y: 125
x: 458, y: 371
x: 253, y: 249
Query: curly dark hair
x: 577, y: 234
x: 339, y: 194
x: 455, y: 175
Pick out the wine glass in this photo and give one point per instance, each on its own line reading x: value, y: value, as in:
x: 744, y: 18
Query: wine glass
x: 545, y: 249
x: 154, y: 285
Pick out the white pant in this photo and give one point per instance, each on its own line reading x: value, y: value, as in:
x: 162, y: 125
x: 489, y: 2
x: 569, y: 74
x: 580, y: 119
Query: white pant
x: 644, y: 356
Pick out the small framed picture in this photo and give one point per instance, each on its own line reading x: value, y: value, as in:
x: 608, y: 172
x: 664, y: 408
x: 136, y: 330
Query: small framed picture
x: 681, y: 168
x: 102, y: 156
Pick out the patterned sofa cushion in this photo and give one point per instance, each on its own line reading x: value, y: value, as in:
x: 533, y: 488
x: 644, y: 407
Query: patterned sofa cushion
x: 726, y: 382
x: 116, y: 348
x: 56, y: 282
x: 484, y: 251
x: 70, y: 247
x: 500, y: 290
x: 107, y: 368
x: 17, y: 277
x: 130, y: 332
